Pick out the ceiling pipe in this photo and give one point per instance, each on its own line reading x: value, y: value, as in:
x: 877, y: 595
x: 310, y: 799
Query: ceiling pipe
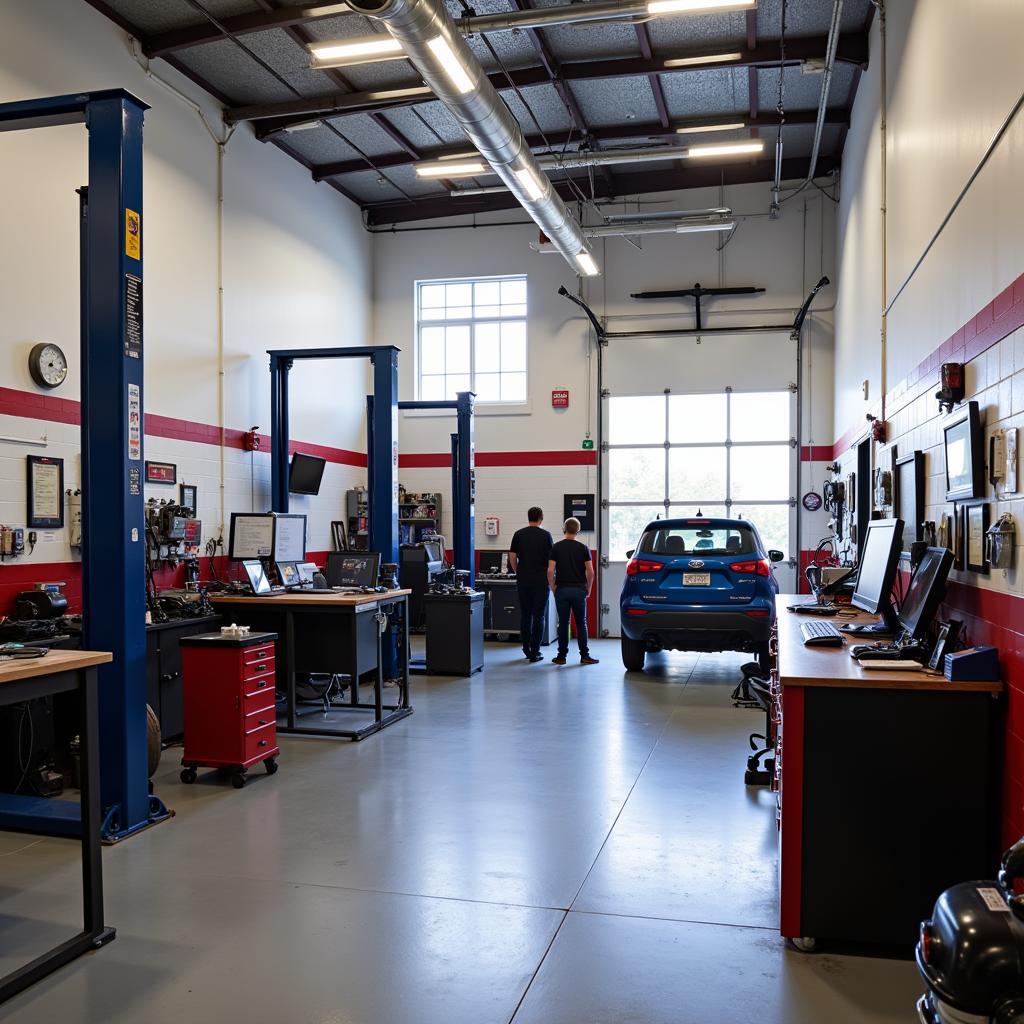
x: 529, y: 18
x: 628, y: 230
x: 639, y: 218
x: 448, y: 65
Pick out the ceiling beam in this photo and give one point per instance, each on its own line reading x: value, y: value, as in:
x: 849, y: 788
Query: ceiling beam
x: 643, y: 37
x: 614, y: 133
x: 160, y: 43
x: 853, y: 49
x: 711, y: 176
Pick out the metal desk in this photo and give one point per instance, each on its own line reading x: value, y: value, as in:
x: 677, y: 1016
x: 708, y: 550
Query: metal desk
x: 61, y: 672
x: 299, y: 617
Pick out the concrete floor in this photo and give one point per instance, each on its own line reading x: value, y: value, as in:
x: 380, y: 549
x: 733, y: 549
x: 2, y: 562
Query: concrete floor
x: 534, y: 845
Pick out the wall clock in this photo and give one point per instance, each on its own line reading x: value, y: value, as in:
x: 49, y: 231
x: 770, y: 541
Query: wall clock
x: 48, y: 365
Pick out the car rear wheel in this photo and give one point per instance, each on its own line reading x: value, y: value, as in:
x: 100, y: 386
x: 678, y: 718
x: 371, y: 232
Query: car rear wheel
x: 633, y: 654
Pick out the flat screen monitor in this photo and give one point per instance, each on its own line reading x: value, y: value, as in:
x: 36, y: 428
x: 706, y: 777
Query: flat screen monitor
x: 879, y: 560
x: 353, y: 568
x: 491, y: 562
x: 965, y: 454
x: 926, y: 590
x: 435, y: 550
x: 306, y: 473
x: 289, y: 538
x: 252, y: 535
x: 257, y: 577
x: 288, y: 572
x: 307, y: 570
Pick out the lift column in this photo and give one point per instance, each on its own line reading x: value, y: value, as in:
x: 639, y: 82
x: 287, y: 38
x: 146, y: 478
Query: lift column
x: 464, y: 486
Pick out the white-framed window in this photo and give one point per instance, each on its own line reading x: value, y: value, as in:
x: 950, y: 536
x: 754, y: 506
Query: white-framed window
x: 471, y: 336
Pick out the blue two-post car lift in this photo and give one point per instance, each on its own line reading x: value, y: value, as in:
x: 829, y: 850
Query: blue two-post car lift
x: 113, y: 578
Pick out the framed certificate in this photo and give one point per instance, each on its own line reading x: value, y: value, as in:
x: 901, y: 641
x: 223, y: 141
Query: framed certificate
x: 974, y: 541
x: 45, y: 490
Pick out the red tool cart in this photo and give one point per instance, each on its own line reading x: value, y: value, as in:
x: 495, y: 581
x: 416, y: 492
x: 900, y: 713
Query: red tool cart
x: 230, y: 719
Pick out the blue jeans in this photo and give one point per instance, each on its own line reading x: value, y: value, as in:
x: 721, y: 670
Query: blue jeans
x: 572, y: 601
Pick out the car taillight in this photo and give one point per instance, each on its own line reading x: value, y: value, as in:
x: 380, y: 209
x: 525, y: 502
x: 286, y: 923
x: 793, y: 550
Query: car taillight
x: 636, y: 611
x: 636, y: 565
x: 758, y: 613
x: 760, y: 567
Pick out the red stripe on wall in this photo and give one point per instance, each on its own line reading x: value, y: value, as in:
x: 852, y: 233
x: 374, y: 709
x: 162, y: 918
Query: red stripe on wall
x: 816, y: 453
x: 431, y: 460
x: 41, y: 407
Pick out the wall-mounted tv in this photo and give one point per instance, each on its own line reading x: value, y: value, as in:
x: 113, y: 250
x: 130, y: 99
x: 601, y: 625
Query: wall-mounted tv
x: 965, y: 454
x: 306, y: 473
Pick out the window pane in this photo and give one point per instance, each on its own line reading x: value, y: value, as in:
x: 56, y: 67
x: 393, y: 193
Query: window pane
x: 696, y: 418
x: 458, y: 295
x: 432, y: 296
x: 706, y: 512
x: 762, y: 416
x: 636, y: 420
x: 772, y: 522
x: 636, y: 474
x: 488, y: 348
x: 516, y: 310
x: 488, y: 387
x: 625, y: 527
x: 513, y: 346
x: 432, y: 314
x: 513, y: 387
x: 696, y: 474
x: 457, y: 350
x: 761, y: 473
x: 513, y: 292
x: 432, y: 389
x: 454, y: 383
x: 487, y: 311
x: 486, y: 293
x: 432, y: 350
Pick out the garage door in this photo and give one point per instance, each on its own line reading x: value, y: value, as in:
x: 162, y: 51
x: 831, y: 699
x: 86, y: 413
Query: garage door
x: 729, y: 453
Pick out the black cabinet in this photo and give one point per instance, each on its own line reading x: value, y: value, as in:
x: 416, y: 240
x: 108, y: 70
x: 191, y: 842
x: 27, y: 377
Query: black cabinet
x: 163, y: 670
x: 501, y: 610
x: 455, y: 633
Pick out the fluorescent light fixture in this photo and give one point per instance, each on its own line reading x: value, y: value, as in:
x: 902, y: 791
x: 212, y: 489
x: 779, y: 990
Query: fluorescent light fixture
x: 708, y: 58
x: 713, y: 225
x: 727, y: 149
x: 305, y: 126
x: 711, y: 128
x: 529, y: 181
x: 339, y: 52
x: 698, y: 6
x: 587, y: 264
x: 450, y: 64
x: 451, y: 169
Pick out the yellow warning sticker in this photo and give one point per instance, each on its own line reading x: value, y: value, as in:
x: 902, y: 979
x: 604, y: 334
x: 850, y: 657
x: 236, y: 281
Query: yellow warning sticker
x: 132, y: 234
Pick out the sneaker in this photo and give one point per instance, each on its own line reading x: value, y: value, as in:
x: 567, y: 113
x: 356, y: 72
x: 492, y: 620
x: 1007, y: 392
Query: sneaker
x: 559, y: 659
x: 588, y: 660
x: 534, y: 658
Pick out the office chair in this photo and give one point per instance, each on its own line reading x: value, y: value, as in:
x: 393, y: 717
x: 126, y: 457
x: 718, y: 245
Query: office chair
x: 752, y: 691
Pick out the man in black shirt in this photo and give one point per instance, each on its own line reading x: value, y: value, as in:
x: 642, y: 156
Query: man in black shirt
x: 528, y: 557
x: 571, y: 577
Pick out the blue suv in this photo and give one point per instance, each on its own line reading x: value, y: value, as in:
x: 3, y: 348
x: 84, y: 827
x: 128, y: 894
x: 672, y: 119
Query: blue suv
x: 698, y: 585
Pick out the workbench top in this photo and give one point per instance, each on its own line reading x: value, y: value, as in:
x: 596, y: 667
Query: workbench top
x: 833, y: 666
x: 56, y: 661
x: 306, y: 598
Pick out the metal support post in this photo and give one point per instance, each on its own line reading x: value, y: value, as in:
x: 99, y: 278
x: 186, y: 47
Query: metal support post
x: 279, y: 367
x: 383, y: 468
x: 464, y: 486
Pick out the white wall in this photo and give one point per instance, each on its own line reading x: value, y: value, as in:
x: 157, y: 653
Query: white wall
x: 296, y: 258
x: 766, y: 253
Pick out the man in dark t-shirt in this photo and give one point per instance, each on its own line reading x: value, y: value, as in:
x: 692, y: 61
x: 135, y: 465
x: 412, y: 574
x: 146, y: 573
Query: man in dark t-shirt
x: 528, y: 557
x: 571, y: 577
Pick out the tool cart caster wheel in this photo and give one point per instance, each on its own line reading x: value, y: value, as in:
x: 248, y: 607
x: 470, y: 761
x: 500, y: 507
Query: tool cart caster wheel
x: 806, y: 945
x: 270, y: 765
x: 238, y: 781
x: 188, y: 776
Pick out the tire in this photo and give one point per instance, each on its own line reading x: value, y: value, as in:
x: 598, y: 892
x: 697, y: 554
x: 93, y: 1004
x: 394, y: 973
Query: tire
x: 153, y: 748
x: 806, y: 944
x: 633, y: 655
x: 238, y: 781
x: 764, y: 658
x: 188, y: 776
x: 270, y: 765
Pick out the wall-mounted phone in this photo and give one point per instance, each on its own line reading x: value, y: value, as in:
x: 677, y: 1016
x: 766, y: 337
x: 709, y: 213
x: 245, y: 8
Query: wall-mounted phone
x: 12, y: 541
x: 74, y: 517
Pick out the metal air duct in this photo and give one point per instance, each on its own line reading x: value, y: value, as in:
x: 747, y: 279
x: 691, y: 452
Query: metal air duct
x: 444, y: 59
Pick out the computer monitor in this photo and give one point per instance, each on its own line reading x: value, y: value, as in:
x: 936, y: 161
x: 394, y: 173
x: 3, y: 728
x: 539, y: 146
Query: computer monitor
x: 353, y: 568
x: 927, y: 589
x: 491, y: 562
x: 879, y: 560
x: 257, y: 577
x: 289, y: 538
x: 307, y: 570
x: 252, y: 535
x: 288, y: 573
x: 435, y: 550
x: 306, y: 473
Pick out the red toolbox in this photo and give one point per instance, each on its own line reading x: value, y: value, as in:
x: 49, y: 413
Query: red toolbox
x: 230, y: 718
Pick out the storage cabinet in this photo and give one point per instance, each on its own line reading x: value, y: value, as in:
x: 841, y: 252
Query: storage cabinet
x: 230, y: 715
x: 163, y: 670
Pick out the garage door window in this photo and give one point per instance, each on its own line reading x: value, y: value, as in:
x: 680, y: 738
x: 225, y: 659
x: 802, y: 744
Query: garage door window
x: 729, y: 454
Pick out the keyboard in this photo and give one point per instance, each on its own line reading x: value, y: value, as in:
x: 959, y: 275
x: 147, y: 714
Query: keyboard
x: 898, y: 665
x: 820, y: 634
x: 815, y: 609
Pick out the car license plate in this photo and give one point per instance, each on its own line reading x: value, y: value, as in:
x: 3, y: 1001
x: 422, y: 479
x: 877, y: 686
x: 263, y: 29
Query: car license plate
x: 696, y: 579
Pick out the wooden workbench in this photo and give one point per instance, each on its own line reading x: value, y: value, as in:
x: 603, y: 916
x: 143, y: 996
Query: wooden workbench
x: 27, y: 679
x: 300, y: 598
x: 888, y: 787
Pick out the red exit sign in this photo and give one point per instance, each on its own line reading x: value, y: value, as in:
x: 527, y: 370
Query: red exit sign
x: 560, y: 399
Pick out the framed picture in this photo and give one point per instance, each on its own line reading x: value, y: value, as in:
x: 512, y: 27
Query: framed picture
x: 189, y: 496
x: 908, y: 496
x: 976, y: 523
x: 959, y: 531
x: 45, y: 489
x: 161, y: 472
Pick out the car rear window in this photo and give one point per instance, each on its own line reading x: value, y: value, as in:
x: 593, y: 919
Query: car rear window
x: 695, y: 538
